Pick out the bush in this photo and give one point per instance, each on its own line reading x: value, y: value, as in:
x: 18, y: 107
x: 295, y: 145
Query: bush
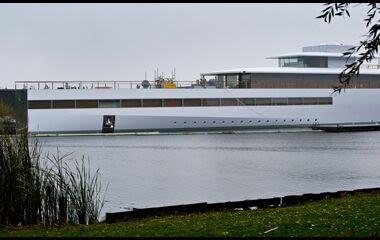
x: 49, y: 191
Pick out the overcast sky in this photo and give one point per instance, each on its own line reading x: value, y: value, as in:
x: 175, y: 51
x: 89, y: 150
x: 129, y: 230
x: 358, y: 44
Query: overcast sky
x: 123, y: 41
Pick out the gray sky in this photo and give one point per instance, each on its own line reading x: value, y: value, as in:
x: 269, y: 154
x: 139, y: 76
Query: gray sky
x: 121, y: 41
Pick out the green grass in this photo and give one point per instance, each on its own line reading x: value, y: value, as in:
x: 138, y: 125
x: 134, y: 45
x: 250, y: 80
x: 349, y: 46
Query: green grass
x: 357, y: 215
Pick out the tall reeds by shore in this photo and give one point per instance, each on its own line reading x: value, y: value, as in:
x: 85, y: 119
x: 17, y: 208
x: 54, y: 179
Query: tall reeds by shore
x: 36, y: 189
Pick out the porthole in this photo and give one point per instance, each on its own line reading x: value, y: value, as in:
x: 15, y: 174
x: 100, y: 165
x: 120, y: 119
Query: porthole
x: 292, y: 120
x: 267, y: 120
x: 241, y: 121
x: 195, y: 122
x: 300, y: 120
x: 184, y: 122
x: 276, y: 120
x: 315, y: 120
x: 223, y: 121
x: 213, y: 121
x: 259, y: 121
x: 250, y: 121
x: 308, y: 120
x: 284, y: 120
x: 232, y: 121
x: 204, y: 121
x: 175, y: 122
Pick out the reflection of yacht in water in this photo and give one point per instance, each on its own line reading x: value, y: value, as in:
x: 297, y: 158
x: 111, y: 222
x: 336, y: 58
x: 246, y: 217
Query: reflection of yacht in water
x: 297, y: 93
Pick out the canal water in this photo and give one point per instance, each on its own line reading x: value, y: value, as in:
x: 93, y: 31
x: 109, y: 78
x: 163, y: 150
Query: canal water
x: 169, y: 169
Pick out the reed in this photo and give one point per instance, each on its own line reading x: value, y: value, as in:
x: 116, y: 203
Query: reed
x: 36, y: 189
x: 18, y: 181
x: 84, y: 193
x: 76, y: 189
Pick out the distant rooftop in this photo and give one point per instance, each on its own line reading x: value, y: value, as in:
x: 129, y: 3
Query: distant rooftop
x: 288, y: 70
x: 329, y: 48
x: 322, y: 50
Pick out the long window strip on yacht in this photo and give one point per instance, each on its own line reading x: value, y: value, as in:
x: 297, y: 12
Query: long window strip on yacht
x: 290, y: 80
x: 186, y: 102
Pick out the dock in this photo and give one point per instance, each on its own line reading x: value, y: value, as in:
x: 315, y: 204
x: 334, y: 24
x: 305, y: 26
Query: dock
x: 350, y: 127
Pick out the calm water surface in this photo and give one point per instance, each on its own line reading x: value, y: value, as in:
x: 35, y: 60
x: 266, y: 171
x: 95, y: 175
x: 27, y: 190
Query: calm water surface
x: 159, y: 170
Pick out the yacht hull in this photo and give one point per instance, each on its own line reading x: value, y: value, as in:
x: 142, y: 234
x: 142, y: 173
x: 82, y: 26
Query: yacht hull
x: 353, y: 106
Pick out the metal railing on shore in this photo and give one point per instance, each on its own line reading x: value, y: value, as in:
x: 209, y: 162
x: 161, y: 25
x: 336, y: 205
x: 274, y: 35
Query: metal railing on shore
x: 99, y: 84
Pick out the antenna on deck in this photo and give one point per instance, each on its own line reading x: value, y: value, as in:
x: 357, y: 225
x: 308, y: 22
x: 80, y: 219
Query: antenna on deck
x: 173, y: 74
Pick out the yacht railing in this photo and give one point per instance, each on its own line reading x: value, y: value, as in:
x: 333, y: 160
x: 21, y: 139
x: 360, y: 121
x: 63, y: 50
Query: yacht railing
x: 100, y: 84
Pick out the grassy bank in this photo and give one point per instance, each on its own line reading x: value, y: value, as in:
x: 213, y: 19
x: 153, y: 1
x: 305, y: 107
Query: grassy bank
x: 357, y: 215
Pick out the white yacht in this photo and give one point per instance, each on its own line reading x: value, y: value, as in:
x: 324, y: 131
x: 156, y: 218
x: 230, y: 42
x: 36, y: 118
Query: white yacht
x: 297, y: 93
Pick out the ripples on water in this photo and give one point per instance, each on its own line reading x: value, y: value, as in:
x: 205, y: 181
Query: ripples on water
x: 158, y: 170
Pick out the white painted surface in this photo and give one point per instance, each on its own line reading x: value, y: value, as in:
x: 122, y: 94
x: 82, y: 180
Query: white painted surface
x: 351, y: 106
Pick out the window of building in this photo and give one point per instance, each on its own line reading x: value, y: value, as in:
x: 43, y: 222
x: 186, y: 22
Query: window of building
x: 232, y: 80
x: 86, y: 103
x: 152, y: 102
x: 317, y: 62
x: 279, y: 101
x: 131, y: 103
x: 228, y: 102
x: 219, y: 81
x: 211, y: 102
x: 310, y: 101
x: 263, y: 101
x: 295, y: 101
x: 290, y: 62
x: 245, y: 80
x: 39, y: 104
x: 192, y: 102
x: 325, y: 100
x: 63, y: 104
x: 109, y: 103
x: 195, y: 102
x: 172, y: 102
x: 303, y: 61
x: 247, y: 101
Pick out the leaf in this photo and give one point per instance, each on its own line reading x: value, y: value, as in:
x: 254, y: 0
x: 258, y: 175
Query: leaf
x: 323, y: 15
